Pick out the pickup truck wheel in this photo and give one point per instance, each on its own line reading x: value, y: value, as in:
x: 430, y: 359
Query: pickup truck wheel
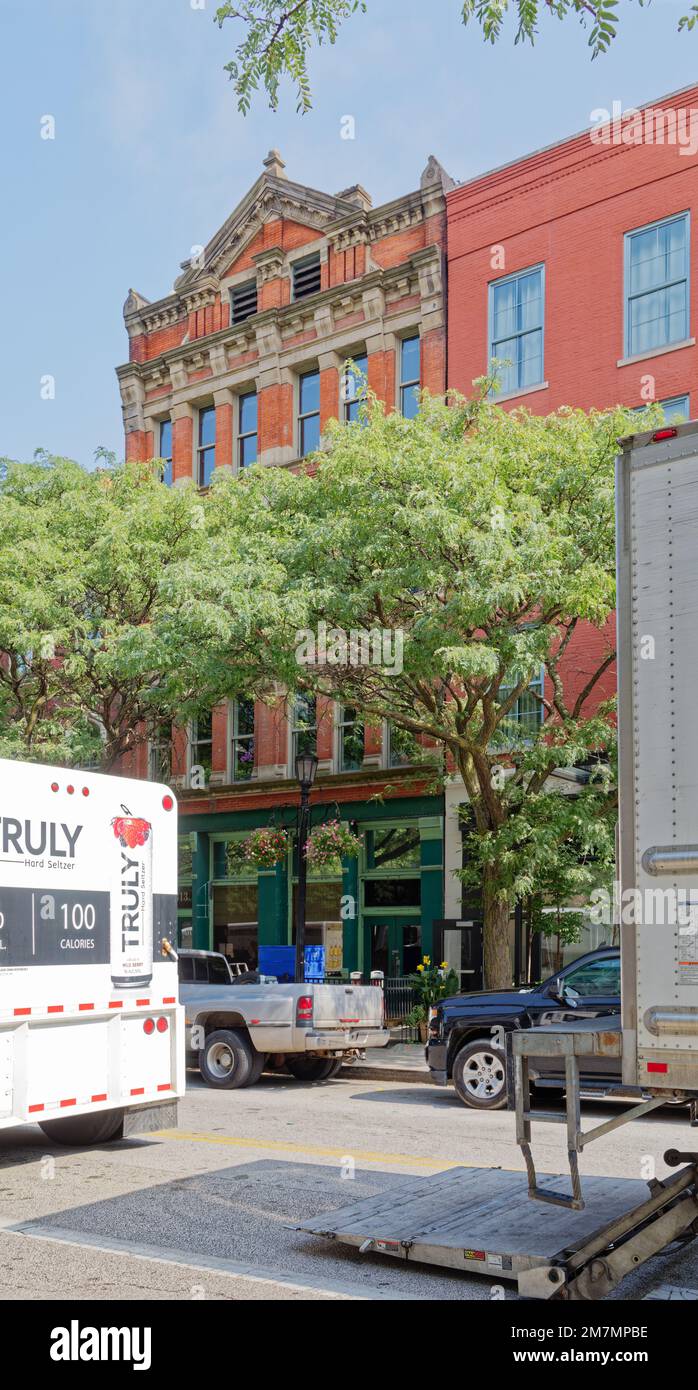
x: 480, y: 1075
x: 259, y: 1061
x: 310, y: 1068
x: 336, y: 1067
x: 84, y: 1129
x: 226, y: 1059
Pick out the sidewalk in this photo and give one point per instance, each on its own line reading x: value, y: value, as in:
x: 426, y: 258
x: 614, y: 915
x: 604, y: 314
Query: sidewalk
x: 396, y: 1062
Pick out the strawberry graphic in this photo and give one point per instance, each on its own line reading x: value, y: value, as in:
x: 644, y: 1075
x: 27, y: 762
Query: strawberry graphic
x: 131, y: 831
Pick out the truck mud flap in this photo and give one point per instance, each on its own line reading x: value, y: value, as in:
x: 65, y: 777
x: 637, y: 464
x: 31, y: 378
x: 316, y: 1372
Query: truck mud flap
x: 146, y: 1119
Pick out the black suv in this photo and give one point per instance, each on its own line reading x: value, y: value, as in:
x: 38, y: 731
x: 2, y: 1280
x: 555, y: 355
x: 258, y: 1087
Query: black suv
x: 466, y: 1032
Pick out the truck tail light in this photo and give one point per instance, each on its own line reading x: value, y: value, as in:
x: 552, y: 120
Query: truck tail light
x: 149, y: 1026
x: 162, y: 1025
x: 659, y: 435
x: 304, y: 1009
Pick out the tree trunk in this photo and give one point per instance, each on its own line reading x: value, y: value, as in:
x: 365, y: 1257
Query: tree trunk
x: 497, y: 959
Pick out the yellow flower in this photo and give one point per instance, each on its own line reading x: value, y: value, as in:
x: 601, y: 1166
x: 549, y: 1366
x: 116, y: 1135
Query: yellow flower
x: 444, y: 965
x: 427, y: 960
x: 420, y: 968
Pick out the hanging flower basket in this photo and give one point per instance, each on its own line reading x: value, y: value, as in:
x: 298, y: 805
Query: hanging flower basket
x: 331, y: 841
x: 265, y: 847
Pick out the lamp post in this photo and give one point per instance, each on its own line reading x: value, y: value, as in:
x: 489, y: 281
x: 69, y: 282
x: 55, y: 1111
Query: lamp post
x: 306, y: 768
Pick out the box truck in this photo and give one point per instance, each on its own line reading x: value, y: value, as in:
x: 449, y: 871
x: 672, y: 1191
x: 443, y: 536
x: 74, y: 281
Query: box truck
x: 91, y: 1029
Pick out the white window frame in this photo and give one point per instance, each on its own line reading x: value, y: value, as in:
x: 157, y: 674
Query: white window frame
x: 494, y: 284
x: 294, y: 728
x: 627, y: 238
x: 233, y: 737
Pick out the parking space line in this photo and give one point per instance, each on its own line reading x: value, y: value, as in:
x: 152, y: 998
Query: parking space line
x: 319, y: 1150
x: 212, y: 1264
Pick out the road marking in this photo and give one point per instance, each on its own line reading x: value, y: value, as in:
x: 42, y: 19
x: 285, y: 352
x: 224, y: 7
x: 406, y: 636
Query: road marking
x: 183, y: 1259
x: 285, y: 1146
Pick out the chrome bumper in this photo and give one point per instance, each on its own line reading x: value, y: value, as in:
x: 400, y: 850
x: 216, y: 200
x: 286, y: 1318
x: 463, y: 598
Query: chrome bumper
x: 347, y: 1040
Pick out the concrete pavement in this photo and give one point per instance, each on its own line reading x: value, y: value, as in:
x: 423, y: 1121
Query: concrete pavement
x: 207, y: 1211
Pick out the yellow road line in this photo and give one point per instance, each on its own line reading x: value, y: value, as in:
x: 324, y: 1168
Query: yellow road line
x: 284, y: 1146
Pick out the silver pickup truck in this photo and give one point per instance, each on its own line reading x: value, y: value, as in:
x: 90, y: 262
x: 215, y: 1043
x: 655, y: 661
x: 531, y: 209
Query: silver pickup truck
x: 236, y: 1025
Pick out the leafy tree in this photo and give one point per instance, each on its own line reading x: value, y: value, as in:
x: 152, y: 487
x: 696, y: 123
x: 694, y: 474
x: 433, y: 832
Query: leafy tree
x: 279, y: 34
x: 96, y: 644
x: 486, y: 538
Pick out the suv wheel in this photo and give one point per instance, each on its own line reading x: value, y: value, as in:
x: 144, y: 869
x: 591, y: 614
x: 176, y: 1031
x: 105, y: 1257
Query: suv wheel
x: 480, y: 1075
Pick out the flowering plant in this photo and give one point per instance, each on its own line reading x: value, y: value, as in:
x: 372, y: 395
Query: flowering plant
x: 330, y: 841
x: 431, y: 983
x: 264, y: 847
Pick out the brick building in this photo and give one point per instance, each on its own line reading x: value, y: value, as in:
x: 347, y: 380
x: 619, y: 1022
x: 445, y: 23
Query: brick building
x: 242, y: 362
x: 574, y: 264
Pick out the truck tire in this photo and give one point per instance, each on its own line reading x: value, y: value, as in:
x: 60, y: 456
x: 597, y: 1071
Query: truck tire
x: 480, y: 1075
x: 84, y: 1129
x: 310, y: 1068
x: 226, y: 1059
x: 337, y: 1064
x: 259, y: 1062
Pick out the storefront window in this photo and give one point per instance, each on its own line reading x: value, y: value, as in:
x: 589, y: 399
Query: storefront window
x: 235, y: 921
x: 396, y: 847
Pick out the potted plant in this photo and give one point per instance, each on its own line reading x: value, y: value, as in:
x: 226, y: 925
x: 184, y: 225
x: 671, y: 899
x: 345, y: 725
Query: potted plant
x: 430, y: 983
x: 265, y: 847
x: 330, y: 841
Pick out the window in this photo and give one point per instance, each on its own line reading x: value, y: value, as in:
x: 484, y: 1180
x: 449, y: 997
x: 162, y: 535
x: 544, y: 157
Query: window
x: 303, y: 728
x: 306, y: 276
x: 656, y: 285
x: 308, y: 413
x: 166, y: 450
x: 160, y: 754
x: 202, y: 743
x: 351, y: 739
x: 598, y: 977
x: 676, y: 409
x: 516, y: 328
x: 394, y: 848
x: 526, y: 716
x: 409, y: 377
x: 247, y: 429
x: 403, y: 748
x: 218, y: 971
x: 243, y: 301
x: 206, y: 451
x: 242, y: 763
x: 354, y: 387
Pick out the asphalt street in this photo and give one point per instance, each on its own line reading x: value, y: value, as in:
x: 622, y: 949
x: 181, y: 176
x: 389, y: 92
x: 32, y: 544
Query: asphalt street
x: 207, y: 1211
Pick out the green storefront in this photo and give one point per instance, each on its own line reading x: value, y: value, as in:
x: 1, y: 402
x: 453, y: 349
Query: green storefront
x: 387, y: 900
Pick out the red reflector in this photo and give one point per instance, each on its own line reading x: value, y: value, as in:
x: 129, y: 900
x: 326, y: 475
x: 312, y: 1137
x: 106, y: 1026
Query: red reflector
x: 170, y: 1000
x: 116, y: 1003
x: 70, y: 789
x: 162, y: 1025
x: 18, y: 1013
x: 167, y: 802
x: 63, y: 1103
x: 149, y: 1026
x: 475, y: 1254
x: 166, y: 1087
x: 658, y: 1066
x: 659, y: 435
x: 86, y: 791
x: 55, y: 1009
x: 32, y: 1109
x: 138, y: 1090
x: 98, y: 1098
x: 54, y: 786
x: 143, y: 1001
x: 82, y: 1007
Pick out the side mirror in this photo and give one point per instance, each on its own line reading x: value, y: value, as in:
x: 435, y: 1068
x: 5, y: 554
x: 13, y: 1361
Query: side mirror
x: 557, y: 989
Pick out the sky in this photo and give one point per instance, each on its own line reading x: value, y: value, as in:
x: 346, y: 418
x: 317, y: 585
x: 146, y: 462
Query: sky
x: 150, y: 155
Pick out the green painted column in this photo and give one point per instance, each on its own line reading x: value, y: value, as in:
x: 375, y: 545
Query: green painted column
x: 432, y: 876
x: 350, y: 896
x: 202, y: 923
x: 272, y: 905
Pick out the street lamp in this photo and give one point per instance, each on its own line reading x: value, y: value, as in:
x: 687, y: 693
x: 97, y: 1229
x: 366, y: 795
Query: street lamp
x: 306, y: 768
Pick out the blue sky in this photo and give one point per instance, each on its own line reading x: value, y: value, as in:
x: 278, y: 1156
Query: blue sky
x: 150, y: 155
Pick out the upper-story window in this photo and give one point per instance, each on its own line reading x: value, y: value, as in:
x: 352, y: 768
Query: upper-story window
x: 516, y: 328
x: 307, y: 275
x: 243, y: 301
x: 303, y: 728
x: 242, y: 761
x: 160, y: 754
x: 353, y: 386
x: 247, y: 429
x: 409, y: 377
x: 656, y: 285
x: 206, y: 448
x: 166, y: 450
x: 350, y: 729
x: 402, y: 747
x: 308, y: 413
x: 676, y: 409
x: 527, y: 714
x: 201, y: 743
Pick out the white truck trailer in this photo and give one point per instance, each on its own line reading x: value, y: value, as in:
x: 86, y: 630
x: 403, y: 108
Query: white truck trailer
x: 91, y: 1029
x: 570, y: 1244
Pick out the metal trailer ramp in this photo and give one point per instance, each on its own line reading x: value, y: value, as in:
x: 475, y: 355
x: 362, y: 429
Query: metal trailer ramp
x: 483, y: 1220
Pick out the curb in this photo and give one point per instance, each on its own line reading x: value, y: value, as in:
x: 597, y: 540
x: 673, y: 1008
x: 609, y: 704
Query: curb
x: 387, y: 1073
